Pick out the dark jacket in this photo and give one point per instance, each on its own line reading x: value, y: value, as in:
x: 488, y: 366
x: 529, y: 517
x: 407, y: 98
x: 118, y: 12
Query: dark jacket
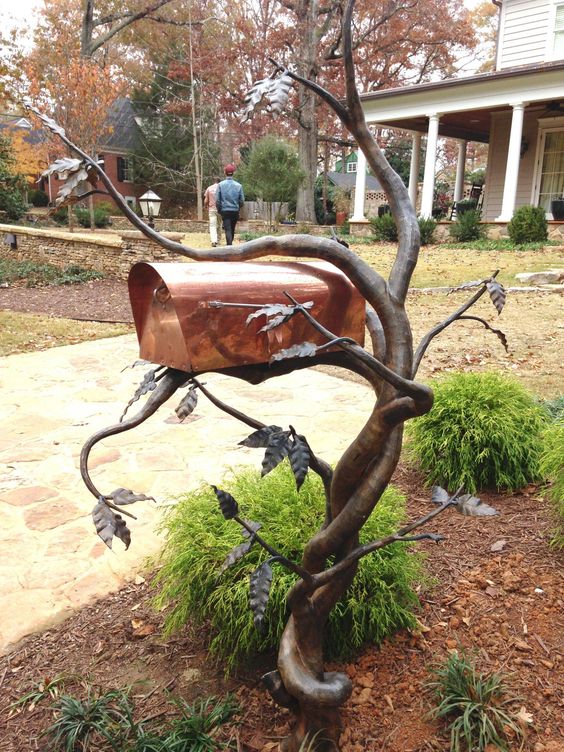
x: 229, y: 196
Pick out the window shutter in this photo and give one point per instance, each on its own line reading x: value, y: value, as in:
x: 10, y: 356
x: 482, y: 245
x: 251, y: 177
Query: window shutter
x: 120, y: 169
x: 559, y: 32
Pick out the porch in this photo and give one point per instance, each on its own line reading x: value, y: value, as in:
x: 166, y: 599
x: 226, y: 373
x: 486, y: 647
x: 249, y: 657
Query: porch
x: 518, y: 112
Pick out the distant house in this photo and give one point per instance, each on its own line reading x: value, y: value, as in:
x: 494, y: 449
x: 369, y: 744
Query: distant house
x: 518, y: 110
x: 114, y: 149
x: 374, y: 195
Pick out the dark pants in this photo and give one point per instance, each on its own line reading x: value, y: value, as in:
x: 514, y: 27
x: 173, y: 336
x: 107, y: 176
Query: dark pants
x: 229, y: 222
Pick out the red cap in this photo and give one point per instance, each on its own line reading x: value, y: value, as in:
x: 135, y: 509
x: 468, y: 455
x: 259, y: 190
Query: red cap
x: 229, y: 169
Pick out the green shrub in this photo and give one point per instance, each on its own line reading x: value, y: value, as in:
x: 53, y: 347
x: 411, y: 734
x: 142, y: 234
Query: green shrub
x: 484, y: 431
x: 37, y: 275
x: 467, y: 227
x: 552, y: 469
x: 101, y: 216
x: 385, y: 227
x: 528, y: 225
x: 554, y: 407
x: 477, y: 704
x: 60, y: 216
x: 13, y: 203
x: 37, y: 197
x: 427, y: 227
x: 198, y: 539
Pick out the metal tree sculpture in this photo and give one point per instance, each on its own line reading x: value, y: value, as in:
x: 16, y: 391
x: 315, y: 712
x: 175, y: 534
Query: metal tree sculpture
x: 362, y: 474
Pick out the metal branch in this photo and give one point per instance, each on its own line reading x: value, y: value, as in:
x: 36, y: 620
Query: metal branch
x: 427, y: 339
x: 256, y: 424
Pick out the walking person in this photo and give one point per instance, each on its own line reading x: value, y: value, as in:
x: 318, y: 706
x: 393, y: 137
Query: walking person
x: 210, y: 205
x: 229, y: 199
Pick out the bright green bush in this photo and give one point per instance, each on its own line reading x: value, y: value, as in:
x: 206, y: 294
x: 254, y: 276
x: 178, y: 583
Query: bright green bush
x: 467, y: 227
x: 101, y: 217
x: 379, y: 602
x: 552, y: 469
x: 385, y: 228
x: 484, y: 431
x: 528, y: 225
x: 427, y: 227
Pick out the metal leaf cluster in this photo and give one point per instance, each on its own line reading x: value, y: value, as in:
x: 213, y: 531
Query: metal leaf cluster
x: 110, y: 525
x: 147, y: 385
x: 261, y: 437
x: 278, y: 313
x: 259, y: 592
x: 273, y: 92
x: 187, y: 404
x: 239, y: 551
x: 466, y: 504
x: 227, y: 504
x: 497, y: 294
x: 73, y: 172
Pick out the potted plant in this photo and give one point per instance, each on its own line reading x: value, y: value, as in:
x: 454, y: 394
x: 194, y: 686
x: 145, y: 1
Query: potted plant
x: 341, y: 204
x: 557, y: 208
x: 466, y: 205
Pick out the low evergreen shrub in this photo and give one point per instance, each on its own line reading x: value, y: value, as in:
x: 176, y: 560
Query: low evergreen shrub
x: 13, y: 204
x: 427, y: 227
x: 528, y: 225
x: 552, y: 470
x: 198, y: 539
x: 101, y: 217
x: 385, y: 227
x: 484, y: 431
x: 37, y: 275
x: 467, y: 227
x: 37, y: 197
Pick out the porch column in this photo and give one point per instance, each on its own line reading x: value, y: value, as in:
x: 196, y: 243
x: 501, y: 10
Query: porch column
x: 430, y: 161
x: 460, y: 169
x: 512, y: 167
x: 359, y: 188
x: 414, y: 167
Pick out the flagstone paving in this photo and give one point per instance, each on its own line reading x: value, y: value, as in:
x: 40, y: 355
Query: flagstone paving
x: 52, y: 561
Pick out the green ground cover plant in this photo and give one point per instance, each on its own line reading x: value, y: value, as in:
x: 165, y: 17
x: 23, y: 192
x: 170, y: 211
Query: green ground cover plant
x: 552, y: 469
x: 197, y: 540
x: 501, y: 244
x: 484, y: 431
x: 37, y: 275
x: 467, y: 227
x: 478, y: 706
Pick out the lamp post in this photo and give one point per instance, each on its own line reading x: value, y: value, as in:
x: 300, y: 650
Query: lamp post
x: 150, y: 205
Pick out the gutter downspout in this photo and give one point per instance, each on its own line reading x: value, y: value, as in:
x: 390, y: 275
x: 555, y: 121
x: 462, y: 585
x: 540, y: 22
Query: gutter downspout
x: 498, y: 4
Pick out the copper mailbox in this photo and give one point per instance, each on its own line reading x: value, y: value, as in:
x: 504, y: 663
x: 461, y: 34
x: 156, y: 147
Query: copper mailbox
x: 182, y: 320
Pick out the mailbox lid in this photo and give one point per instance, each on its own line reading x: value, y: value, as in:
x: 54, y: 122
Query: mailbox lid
x: 178, y: 326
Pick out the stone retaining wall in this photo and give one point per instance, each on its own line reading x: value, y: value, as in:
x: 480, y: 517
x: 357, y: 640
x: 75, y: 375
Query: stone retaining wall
x: 110, y: 256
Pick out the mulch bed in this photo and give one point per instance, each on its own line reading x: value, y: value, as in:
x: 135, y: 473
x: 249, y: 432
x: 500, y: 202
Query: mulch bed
x: 497, y: 594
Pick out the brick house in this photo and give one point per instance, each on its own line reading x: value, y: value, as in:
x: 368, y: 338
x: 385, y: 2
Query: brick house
x: 517, y: 109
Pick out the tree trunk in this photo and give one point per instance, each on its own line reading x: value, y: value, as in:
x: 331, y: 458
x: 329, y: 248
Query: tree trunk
x: 91, y: 212
x: 306, y: 12
x: 87, y: 28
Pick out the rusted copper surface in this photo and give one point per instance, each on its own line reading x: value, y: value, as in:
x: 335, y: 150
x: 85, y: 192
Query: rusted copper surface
x: 177, y: 326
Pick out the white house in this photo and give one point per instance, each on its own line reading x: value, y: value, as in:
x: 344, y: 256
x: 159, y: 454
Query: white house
x: 518, y: 110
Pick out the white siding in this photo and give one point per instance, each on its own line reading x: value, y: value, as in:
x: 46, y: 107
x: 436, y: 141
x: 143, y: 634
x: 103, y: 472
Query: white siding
x: 497, y: 159
x: 524, y: 32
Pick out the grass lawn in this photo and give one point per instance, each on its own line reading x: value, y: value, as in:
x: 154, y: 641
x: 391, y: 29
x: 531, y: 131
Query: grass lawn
x: 23, y: 332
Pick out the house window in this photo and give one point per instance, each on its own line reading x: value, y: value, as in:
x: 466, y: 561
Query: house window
x: 124, y: 170
x: 552, y: 171
x: 558, y: 50
x: 351, y: 166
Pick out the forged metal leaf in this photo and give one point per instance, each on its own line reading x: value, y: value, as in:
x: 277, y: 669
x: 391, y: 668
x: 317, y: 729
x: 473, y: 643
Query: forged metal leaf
x: 439, y: 495
x: 71, y: 184
x: 277, y: 309
x: 124, y: 496
x: 188, y: 404
x: 274, y: 91
x: 473, y: 507
x: 261, y: 437
x: 236, y: 553
x: 147, y: 385
x: 256, y: 526
x: 277, y: 449
x: 63, y: 167
x: 468, y: 285
x: 109, y: 524
x: 305, y: 350
x: 259, y: 592
x: 227, y: 504
x: 499, y: 334
x: 497, y: 294
x: 136, y: 363
x: 47, y: 121
x: 299, y: 456
x: 276, y: 321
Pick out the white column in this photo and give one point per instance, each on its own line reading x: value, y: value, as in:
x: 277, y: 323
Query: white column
x: 414, y: 167
x: 460, y: 170
x: 430, y: 161
x: 512, y: 167
x: 359, y: 188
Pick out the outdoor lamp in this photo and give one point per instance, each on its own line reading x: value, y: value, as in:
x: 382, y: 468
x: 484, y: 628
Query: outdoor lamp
x: 150, y: 205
